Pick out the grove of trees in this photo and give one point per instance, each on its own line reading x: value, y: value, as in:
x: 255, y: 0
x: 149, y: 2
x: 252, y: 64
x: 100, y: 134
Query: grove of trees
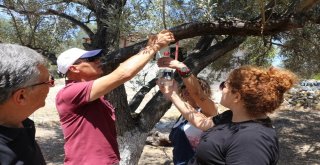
x: 213, y: 32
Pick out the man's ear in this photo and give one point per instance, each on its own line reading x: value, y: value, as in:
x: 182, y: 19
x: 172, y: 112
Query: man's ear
x: 20, y: 96
x: 74, y: 69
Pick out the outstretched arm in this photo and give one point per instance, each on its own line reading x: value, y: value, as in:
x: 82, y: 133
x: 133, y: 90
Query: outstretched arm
x: 196, y: 118
x: 191, y: 82
x: 129, y: 68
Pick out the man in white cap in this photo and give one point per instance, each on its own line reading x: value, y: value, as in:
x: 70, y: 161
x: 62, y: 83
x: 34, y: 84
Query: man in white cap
x: 87, y: 120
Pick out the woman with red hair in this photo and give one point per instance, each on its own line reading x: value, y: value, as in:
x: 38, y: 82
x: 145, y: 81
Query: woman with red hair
x: 244, y: 134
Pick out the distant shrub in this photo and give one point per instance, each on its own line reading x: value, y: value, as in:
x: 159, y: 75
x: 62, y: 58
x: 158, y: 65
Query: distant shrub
x: 316, y: 77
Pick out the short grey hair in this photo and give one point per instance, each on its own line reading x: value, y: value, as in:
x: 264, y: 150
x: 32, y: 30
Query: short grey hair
x: 18, y: 68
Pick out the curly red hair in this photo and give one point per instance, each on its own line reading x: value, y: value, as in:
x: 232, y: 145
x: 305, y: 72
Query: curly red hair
x: 261, y: 89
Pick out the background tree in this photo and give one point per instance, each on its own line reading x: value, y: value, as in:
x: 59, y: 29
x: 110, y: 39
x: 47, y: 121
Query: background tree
x: 301, y: 51
x: 231, y: 33
x: 30, y: 29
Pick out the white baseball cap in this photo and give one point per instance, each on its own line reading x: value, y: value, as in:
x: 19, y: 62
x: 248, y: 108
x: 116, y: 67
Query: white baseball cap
x: 68, y: 57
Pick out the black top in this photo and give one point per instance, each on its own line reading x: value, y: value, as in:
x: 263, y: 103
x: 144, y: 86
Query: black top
x: 243, y: 143
x: 18, y: 145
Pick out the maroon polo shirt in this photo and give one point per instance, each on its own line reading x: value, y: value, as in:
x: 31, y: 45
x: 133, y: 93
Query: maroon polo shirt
x: 88, y: 127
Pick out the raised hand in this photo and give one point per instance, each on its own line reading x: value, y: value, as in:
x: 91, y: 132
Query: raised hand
x: 160, y: 40
x: 171, y: 63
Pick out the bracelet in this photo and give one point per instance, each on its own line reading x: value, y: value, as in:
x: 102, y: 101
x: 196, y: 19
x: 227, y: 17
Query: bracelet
x: 185, y: 73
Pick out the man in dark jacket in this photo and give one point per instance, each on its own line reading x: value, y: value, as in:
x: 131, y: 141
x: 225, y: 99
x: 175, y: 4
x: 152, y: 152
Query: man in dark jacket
x: 24, y: 85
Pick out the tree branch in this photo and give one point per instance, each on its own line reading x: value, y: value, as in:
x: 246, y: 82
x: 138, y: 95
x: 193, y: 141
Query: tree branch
x: 201, y: 60
x: 234, y: 27
x: 19, y: 35
x: 164, y: 14
x: 138, y: 97
x: 53, y: 12
x: 204, y: 43
x: 86, y: 3
x: 71, y: 19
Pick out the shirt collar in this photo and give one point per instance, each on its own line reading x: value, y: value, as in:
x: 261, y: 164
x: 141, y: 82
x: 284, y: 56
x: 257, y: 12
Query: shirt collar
x: 11, y: 134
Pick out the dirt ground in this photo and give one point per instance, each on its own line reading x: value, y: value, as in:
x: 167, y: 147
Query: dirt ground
x: 298, y: 130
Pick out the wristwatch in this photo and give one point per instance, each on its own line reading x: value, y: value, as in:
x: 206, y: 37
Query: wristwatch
x: 184, y: 69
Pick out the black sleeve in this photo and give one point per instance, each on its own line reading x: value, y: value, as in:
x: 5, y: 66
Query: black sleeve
x: 7, y: 157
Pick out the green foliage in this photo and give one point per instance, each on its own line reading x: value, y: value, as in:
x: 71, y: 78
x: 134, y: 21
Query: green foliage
x: 256, y: 51
x: 6, y: 31
x: 260, y: 51
x: 301, y: 51
x: 298, y: 48
x: 146, y: 16
x: 253, y: 51
x: 317, y: 76
x: 47, y: 32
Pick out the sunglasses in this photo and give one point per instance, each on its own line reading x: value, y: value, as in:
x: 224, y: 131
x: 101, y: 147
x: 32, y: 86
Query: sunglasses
x: 50, y: 83
x: 222, y: 85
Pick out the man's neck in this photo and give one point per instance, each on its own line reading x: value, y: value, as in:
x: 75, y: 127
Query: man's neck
x: 9, y: 125
x: 8, y: 118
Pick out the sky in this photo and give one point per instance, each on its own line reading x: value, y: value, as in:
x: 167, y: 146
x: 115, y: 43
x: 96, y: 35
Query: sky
x: 277, y: 61
x: 3, y: 14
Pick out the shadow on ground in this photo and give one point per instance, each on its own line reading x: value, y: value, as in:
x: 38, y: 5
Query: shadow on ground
x: 51, y: 144
x: 299, y: 137
x: 298, y: 131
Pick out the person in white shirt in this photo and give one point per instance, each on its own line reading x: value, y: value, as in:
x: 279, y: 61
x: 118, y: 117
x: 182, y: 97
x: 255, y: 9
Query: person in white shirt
x: 197, y: 93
